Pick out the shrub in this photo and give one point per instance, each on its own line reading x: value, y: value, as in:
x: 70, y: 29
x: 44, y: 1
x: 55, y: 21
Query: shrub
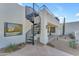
x: 10, y: 48
x: 73, y: 44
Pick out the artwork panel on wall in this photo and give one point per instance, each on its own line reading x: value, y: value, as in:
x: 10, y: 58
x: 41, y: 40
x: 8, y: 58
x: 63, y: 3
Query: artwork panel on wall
x: 12, y: 29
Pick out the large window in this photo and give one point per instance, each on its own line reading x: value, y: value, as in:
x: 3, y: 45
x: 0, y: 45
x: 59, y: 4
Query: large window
x: 12, y: 29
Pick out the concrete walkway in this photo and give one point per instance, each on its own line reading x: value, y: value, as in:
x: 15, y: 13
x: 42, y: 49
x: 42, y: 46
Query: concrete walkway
x: 38, y: 50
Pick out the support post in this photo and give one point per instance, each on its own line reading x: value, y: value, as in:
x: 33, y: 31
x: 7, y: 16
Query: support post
x: 63, y: 27
x: 33, y: 24
x: 44, y: 33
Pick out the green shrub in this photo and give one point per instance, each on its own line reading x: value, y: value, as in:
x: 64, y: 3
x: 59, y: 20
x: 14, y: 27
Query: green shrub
x: 10, y: 48
x: 73, y: 44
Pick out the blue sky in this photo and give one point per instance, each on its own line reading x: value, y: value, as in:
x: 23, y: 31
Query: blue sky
x: 68, y: 10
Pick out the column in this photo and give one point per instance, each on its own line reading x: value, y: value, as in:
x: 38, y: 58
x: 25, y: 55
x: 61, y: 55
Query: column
x: 43, y: 34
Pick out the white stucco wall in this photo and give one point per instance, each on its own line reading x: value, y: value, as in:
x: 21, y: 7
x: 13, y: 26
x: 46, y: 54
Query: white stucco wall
x: 51, y: 19
x: 44, y: 22
x: 46, y: 18
x: 12, y: 13
x: 69, y: 27
x: 73, y: 28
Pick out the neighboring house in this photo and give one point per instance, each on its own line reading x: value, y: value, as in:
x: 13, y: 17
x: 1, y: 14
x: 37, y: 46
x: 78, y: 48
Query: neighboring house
x: 14, y: 25
x: 69, y: 27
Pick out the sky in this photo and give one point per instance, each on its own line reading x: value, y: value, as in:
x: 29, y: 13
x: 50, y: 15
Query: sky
x: 68, y: 10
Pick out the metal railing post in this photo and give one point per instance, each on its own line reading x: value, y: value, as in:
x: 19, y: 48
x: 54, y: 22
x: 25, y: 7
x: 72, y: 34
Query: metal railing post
x: 33, y: 24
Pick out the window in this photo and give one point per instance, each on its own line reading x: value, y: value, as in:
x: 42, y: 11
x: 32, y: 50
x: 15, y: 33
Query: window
x: 52, y: 29
x: 12, y: 29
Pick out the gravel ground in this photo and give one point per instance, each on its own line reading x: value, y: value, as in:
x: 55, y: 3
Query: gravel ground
x: 63, y: 45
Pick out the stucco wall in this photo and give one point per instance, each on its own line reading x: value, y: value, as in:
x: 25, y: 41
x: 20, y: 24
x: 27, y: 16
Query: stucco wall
x: 51, y: 19
x: 12, y: 13
x: 69, y: 27
x: 44, y: 23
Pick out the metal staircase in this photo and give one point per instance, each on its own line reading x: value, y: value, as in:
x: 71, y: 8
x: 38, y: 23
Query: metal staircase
x: 31, y: 14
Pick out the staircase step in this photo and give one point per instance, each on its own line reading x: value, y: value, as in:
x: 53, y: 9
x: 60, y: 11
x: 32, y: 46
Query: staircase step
x: 35, y: 24
x: 29, y: 40
x: 32, y: 21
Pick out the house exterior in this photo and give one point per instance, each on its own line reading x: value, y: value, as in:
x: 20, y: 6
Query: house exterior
x: 49, y: 20
x: 70, y: 28
x: 12, y: 13
x: 14, y: 25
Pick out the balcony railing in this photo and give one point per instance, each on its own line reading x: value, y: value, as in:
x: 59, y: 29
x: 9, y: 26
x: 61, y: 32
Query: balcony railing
x: 57, y: 18
x: 45, y: 7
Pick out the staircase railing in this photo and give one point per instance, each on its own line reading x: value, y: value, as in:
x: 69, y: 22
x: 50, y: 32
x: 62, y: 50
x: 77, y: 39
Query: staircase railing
x: 33, y: 31
x: 30, y: 34
x: 45, y: 7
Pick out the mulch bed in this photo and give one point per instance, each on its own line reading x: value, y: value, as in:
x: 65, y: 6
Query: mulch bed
x: 19, y: 46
